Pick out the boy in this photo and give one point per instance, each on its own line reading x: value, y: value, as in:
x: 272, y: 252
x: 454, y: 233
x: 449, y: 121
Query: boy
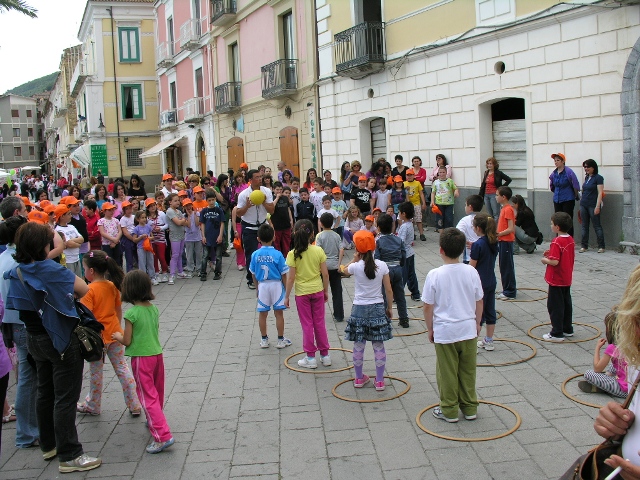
x: 269, y: 271
x: 316, y: 197
x: 506, y: 236
x: 305, y: 208
x: 453, y: 322
x: 210, y: 221
x: 281, y: 219
x: 327, y: 189
x: 200, y: 202
x: 72, y: 239
x: 339, y: 206
x: 559, y: 275
x: 416, y: 197
x: 473, y: 205
x: 326, y: 208
x: 295, y: 193
x: 405, y: 233
x: 331, y: 243
x: 361, y: 196
x: 391, y: 250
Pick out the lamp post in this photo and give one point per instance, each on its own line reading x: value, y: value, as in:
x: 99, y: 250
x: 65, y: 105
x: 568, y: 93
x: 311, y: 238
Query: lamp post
x: 102, y: 127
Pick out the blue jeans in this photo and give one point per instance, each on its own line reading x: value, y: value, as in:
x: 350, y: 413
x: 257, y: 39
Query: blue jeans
x: 507, y: 269
x: 26, y: 423
x: 587, y: 216
x: 493, y: 208
x: 250, y: 244
x: 215, y: 255
x: 409, y: 276
x: 446, y: 219
x: 397, y: 286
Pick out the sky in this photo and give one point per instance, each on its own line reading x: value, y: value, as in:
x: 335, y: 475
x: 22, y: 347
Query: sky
x: 31, y: 47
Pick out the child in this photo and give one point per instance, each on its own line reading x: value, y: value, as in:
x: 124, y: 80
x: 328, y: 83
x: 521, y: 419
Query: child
x: 483, y: 258
x: 236, y: 228
x: 331, y: 243
x: 559, y: 261
x: 391, y: 250
x: 141, y: 231
x: 90, y: 215
x: 443, y: 192
x: 305, y: 209
x: 473, y: 204
x: 339, y: 206
x: 369, y: 222
x: 326, y: 208
x: 269, y: 272
x: 282, y: 219
x: 200, y: 202
x: 73, y: 239
x: 369, y: 319
x: 506, y: 237
x: 405, y: 232
x: 383, y: 196
x: 158, y: 221
x: 415, y: 195
x: 390, y: 212
x: 111, y: 233
x: 398, y: 194
x: 614, y: 381
x: 315, y: 197
x: 295, y: 194
x: 361, y: 197
x: 211, y: 220
x: 126, y: 242
x: 353, y: 224
x: 453, y: 322
x: 177, y: 223
x: 312, y: 291
x: 141, y: 327
x: 103, y: 299
x: 192, y: 238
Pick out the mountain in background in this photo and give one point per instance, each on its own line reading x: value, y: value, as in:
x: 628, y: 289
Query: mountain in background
x: 39, y: 85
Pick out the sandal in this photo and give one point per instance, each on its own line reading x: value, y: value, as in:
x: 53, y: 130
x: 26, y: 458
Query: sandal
x: 82, y: 408
x: 135, y: 413
x: 11, y: 416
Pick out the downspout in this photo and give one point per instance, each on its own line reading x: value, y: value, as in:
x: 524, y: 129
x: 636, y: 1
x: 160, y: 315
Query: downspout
x: 115, y: 90
x: 316, y: 97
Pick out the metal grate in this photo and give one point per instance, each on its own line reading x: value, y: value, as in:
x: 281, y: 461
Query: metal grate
x: 133, y: 157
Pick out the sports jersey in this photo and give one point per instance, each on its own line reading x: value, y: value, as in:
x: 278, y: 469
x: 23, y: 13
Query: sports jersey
x: 267, y: 263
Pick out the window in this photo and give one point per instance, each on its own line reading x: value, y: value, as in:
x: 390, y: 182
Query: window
x: 39, y: 134
x: 15, y: 114
x: 29, y: 113
x: 287, y: 33
x: 129, y: 40
x: 16, y: 132
x: 173, y: 95
x: 234, y: 67
x: 170, y: 37
x: 17, y: 151
x: 132, y: 101
x: 29, y: 132
x: 32, y: 151
x: 133, y: 157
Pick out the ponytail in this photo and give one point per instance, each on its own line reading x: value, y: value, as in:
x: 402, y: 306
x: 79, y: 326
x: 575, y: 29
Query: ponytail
x: 487, y: 224
x: 302, y: 237
x: 370, y: 266
x: 105, y: 266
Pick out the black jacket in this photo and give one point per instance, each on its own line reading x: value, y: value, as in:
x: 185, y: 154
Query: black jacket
x: 499, y: 178
x: 527, y: 222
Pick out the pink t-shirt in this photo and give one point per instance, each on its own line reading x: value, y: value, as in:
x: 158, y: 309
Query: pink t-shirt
x: 110, y: 227
x: 620, y: 366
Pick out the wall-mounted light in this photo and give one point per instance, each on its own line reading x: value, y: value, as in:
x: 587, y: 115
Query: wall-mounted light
x: 287, y: 111
x: 126, y: 139
x: 101, y: 126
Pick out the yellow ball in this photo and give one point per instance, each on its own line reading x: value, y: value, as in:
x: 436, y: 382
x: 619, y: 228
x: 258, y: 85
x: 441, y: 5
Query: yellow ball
x: 257, y: 197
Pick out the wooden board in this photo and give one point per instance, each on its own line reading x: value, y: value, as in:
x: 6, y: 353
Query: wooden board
x: 289, y: 152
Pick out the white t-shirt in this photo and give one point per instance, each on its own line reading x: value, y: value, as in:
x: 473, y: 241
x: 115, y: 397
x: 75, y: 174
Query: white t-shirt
x: 127, y: 222
x: 631, y: 441
x: 465, y: 225
x: 382, y: 200
x: 316, y: 199
x: 333, y: 213
x: 70, y: 232
x: 167, y: 192
x: 257, y: 214
x: 295, y: 197
x: 453, y: 290
x: 367, y: 291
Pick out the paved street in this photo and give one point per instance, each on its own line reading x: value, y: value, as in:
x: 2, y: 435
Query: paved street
x: 237, y: 412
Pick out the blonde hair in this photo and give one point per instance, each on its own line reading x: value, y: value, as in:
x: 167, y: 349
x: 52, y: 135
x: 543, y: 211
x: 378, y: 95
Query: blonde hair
x: 628, y: 320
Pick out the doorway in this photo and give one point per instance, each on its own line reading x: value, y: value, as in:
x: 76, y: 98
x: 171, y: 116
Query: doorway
x: 202, y: 155
x: 378, y: 139
x: 289, y: 152
x: 235, y: 153
x: 510, y: 141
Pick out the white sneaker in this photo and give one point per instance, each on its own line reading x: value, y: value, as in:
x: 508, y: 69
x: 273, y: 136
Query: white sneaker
x: 172, y: 280
x: 551, y: 338
x: 264, y: 343
x: 184, y: 275
x: 307, y: 362
x: 155, y: 281
x: 164, y: 278
x: 240, y: 267
x: 283, y: 342
x: 486, y: 344
x: 326, y: 360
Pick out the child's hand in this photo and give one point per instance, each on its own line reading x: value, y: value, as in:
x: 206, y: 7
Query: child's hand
x: 326, y: 296
x: 601, y: 343
x: 204, y: 241
x: 286, y: 301
x: 219, y: 239
x: 117, y: 336
x: 545, y: 253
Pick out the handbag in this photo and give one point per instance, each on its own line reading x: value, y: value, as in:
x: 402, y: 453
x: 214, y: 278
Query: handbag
x: 88, y: 330
x: 591, y: 466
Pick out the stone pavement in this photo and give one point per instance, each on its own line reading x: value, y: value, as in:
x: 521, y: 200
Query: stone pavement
x: 237, y: 412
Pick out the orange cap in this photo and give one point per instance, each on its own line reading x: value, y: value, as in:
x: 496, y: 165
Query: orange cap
x: 364, y: 241
x: 410, y: 171
x: 38, y: 217
x: 198, y: 189
x: 149, y: 201
x: 377, y: 210
x: 183, y: 193
x: 126, y: 204
x: 107, y: 206
x: 336, y: 190
x: 27, y: 202
x: 49, y: 209
x: 167, y: 176
x: 561, y: 155
x: 369, y: 218
x: 245, y: 166
x: 44, y: 203
x: 187, y: 201
x: 69, y: 200
x: 398, y: 178
x: 60, y: 210
x: 362, y: 178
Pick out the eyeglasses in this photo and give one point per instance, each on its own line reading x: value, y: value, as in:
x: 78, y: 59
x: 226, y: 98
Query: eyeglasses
x: 193, y: 181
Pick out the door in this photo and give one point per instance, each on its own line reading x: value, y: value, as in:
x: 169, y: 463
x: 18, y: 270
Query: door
x: 200, y: 90
x: 378, y: 140
x: 235, y: 152
x: 289, y: 152
x: 202, y: 155
x: 510, y: 149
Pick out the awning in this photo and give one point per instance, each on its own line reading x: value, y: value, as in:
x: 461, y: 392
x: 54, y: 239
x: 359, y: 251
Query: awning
x: 157, y: 149
x: 82, y: 156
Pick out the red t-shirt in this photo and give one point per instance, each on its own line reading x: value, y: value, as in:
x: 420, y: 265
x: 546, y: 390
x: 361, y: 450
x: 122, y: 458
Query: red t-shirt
x: 506, y: 214
x: 490, y: 185
x: 562, y: 249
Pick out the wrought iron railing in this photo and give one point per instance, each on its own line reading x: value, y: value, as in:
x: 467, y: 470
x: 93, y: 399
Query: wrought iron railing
x: 228, y: 96
x: 360, y: 45
x: 164, y: 54
x: 190, y: 32
x: 194, y: 109
x: 279, y: 78
x: 168, y: 118
x: 221, y: 9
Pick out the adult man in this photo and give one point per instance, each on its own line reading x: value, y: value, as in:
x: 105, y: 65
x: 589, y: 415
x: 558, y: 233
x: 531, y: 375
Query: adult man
x: 100, y: 177
x: 253, y: 216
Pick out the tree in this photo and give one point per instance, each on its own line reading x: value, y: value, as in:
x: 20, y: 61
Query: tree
x: 19, y: 6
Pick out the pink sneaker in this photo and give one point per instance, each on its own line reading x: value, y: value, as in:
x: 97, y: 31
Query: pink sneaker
x: 379, y: 386
x: 360, y: 382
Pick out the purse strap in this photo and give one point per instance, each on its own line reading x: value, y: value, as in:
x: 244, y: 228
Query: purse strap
x: 19, y: 272
x: 631, y: 393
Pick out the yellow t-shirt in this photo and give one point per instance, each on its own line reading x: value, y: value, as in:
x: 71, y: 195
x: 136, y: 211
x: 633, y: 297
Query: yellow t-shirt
x: 308, y: 275
x: 413, y: 191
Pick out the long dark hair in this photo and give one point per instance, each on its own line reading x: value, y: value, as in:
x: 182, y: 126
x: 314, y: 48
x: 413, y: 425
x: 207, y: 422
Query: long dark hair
x: 135, y: 176
x: 9, y: 227
x: 105, y: 266
x: 370, y: 266
x: 590, y: 162
x: 31, y: 240
x: 221, y: 180
x: 314, y: 171
x: 487, y: 224
x: 343, y: 172
x: 302, y: 237
x: 519, y: 202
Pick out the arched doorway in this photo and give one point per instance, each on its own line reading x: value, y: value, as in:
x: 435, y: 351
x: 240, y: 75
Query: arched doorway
x: 373, y: 140
x: 289, y: 152
x: 201, y: 152
x: 235, y: 153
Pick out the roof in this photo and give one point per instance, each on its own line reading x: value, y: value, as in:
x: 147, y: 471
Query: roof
x: 150, y: 2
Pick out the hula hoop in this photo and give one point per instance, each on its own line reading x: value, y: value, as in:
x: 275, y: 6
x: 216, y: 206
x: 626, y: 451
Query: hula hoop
x: 598, y: 333
x: 522, y: 360
x: 374, y: 400
x: 463, y: 439
x: 315, y: 371
x: 576, y: 399
x: 534, y: 299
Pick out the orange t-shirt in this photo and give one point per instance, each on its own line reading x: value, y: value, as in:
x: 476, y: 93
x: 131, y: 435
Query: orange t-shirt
x: 506, y: 214
x: 103, y: 299
x: 199, y: 205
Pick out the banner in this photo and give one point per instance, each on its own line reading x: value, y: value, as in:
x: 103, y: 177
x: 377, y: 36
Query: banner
x: 99, y: 160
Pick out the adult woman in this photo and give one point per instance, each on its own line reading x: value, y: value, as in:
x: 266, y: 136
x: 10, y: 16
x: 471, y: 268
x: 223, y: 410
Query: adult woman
x: 312, y: 174
x: 136, y: 188
x: 527, y: 232
x: 345, y: 181
x: 356, y: 169
x: 238, y: 186
x: 75, y: 191
x: 564, y: 185
x: 419, y: 172
x: 492, y: 180
x: 51, y: 342
x: 591, y: 204
x: 119, y: 196
x: 399, y: 169
x: 376, y: 171
x: 101, y: 195
x: 329, y: 180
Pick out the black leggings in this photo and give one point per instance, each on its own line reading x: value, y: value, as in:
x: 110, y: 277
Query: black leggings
x: 566, y: 207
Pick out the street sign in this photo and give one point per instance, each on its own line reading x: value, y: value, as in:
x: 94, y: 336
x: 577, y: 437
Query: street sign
x: 99, y: 160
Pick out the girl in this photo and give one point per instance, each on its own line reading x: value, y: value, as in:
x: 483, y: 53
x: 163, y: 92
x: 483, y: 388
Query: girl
x: 141, y: 325
x: 127, y: 223
x: 286, y: 178
x: 383, y: 196
x: 527, y: 232
x: 369, y: 319
x: 267, y: 181
x: 398, y: 194
x: 345, y: 181
x: 312, y: 291
x: 442, y: 195
x: 614, y: 380
x: 483, y: 257
x: 177, y: 223
x: 75, y: 192
x: 103, y: 299
x: 192, y: 239
x: 236, y: 228
x: 372, y: 186
x: 141, y: 232
x: 111, y: 233
x: 158, y: 222
x: 351, y: 226
x: 441, y: 161
x: 390, y: 212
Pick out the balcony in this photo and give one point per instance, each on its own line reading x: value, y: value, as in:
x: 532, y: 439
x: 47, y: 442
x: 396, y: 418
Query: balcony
x: 223, y: 12
x: 190, y: 33
x: 194, y: 110
x: 279, y: 78
x: 360, y: 50
x: 165, y: 55
x: 228, y: 97
x: 168, y: 119
x: 83, y: 69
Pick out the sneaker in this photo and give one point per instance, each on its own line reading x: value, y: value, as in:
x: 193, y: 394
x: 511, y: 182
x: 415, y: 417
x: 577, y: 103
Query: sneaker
x: 283, y: 342
x: 504, y: 298
x: 423, y: 238
x: 588, y: 387
x: 470, y: 417
x: 326, y: 360
x: 184, y: 275
x: 50, y: 454
x: 164, y: 278
x: 548, y: 336
x: 415, y: 298
x: 251, y: 286
x: 264, y: 342
x: 338, y: 319
x: 157, y: 447
x: 568, y: 334
x: 217, y: 276
x: 308, y: 362
x: 203, y: 277
x: 486, y: 344
x: 380, y: 386
x: 155, y: 281
x: 225, y: 254
x: 438, y: 414
x: 360, y: 382
x: 583, y: 249
x: 172, y: 280
x: 404, y: 322
x: 83, y: 463
x: 240, y: 267
x: 601, y: 250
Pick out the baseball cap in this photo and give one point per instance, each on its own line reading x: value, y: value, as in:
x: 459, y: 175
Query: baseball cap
x: 336, y: 190
x: 69, y: 200
x: 107, y: 206
x: 364, y: 241
x: 183, y: 193
x: 187, y: 201
x: 244, y: 165
x: 561, y: 155
x: 410, y: 171
x: 198, y: 189
x: 398, y: 178
x: 167, y: 176
x: 362, y: 178
x: 27, y: 202
x: 377, y: 210
x: 369, y: 218
x: 38, y: 217
x: 44, y: 203
x: 126, y: 204
x: 149, y: 201
x: 60, y: 211
x: 49, y: 209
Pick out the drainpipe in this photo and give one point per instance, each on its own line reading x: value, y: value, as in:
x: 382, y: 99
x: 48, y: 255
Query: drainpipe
x: 115, y: 90
x: 316, y: 96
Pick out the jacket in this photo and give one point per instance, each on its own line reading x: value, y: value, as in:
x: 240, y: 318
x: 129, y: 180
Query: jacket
x: 93, y: 231
x: 391, y: 250
x: 498, y: 177
x: 527, y: 222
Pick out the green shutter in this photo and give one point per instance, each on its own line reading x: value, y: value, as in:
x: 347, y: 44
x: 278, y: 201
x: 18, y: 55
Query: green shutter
x: 132, y: 101
x: 129, y: 41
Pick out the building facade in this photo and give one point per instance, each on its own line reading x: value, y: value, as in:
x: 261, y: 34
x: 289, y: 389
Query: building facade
x: 21, y: 132
x: 514, y: 79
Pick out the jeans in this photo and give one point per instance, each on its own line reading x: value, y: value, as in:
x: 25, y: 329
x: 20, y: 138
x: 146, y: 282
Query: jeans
x: 493, y: 208
x: 523, y: 240
x: 26, y: 423
x: 130, y: 253
x: 507, y: 269
x: 59, y: 386
x: 114, y: 252
x: 397, y: 286
x: 567, y: 207
x: 446, y: 219
x: 250, y: 244
x: 560, y: 310
x: 4, y: 383
x: 335, y: 282
x: 145, y: 262
x: 215, y: 253
x: 193, y: 248
x: 409, y: 276
x: 314, y: 330
x: 587, y: 216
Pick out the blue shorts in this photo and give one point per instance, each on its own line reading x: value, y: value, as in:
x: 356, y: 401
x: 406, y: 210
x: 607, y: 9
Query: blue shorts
x: 271, y: 294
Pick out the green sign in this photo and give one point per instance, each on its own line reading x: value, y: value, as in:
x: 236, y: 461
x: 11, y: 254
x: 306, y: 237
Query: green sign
x: 99, y: 160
